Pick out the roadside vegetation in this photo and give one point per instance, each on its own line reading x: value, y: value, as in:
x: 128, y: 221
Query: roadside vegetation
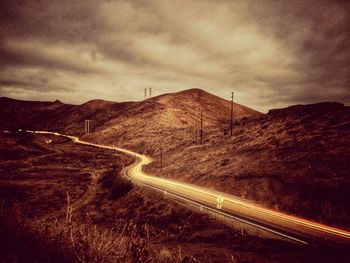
x: 116, y: 186
x: 63, y: 202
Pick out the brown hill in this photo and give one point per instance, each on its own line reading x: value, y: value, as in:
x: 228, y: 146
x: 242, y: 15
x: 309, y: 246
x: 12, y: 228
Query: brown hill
x: 30, y: 114
x: 98, y: 111
x: 56, y: 116
x: 145, y: 125
x: 176, y: 110
x: 183, y: 106
x: 295, y: 159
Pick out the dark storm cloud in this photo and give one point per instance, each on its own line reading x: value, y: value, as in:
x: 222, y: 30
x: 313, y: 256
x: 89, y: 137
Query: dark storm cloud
x: 272, y: 53
x: 55, y: 20
x: 11, y: 82
x: 317, y: 32
x: 38, y: 84
x: 17, y: 54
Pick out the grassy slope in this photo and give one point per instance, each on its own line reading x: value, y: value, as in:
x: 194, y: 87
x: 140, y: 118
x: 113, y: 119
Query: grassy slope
x: 124, y: 224
x: 167, y: 119
x: 299, y: 154
x: 57, y: 116
x: 295, y: 159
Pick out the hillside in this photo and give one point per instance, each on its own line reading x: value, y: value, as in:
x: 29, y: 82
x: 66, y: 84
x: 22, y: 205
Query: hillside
x: 215, y: 109
x: 295, y: 159
x: 56, y: 116
x: 175, y: 110
x: 111, y: 220
x: 129, y: 124
x: 168, y: 118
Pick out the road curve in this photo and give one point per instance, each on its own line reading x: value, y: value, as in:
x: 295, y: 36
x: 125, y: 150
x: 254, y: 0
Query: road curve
x: 292, y: 227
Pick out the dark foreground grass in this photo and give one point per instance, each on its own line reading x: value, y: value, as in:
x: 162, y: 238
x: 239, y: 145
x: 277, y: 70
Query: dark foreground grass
x: 107, y: 219
x: 63, y: 240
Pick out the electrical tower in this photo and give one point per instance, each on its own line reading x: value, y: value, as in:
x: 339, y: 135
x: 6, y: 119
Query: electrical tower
x: 145, y: 95
x: 150, y: 92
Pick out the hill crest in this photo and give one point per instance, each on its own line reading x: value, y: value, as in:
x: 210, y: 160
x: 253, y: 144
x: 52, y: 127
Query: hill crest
x: 172, y: 110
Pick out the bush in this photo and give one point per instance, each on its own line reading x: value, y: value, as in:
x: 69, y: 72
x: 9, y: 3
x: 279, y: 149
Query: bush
x: 115, y: 184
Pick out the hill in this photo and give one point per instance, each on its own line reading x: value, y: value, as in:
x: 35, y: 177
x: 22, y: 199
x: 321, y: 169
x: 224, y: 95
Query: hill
x: 170, y: 117
x: 56, y: 116
x: 126, y: 124
x: 295, y: 159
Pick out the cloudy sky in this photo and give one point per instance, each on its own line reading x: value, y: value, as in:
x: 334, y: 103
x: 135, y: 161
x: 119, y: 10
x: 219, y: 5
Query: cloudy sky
x: 271, y: 53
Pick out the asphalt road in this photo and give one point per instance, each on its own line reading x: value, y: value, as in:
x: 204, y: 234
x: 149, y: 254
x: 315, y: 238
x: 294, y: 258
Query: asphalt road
x: 292, y: 227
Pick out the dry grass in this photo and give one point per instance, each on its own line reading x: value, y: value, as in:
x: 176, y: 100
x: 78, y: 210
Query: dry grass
x: 294, y: 160
x: 62, y: 240
x: 37, y: 223
x: 107, y: 222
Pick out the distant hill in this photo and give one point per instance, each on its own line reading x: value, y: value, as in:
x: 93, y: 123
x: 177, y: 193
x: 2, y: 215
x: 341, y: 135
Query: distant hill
x: 215, y: 109
x: 175, y: 110
x: 144, y: 125
x: 16, y: 114
x: 56, y: 116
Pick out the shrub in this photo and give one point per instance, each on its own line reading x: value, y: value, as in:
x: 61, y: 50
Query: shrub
x: 117, y: 185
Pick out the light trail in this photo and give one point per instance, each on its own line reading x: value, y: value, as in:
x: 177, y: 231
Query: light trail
x: 229, y: 204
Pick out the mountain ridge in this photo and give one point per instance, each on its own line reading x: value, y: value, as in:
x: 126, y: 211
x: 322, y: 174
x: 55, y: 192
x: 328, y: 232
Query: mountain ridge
x: 70, y: 118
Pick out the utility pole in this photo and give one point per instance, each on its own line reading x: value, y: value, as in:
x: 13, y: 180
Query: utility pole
x: 196, y: 125
x: 201, y: 126
x: 161, y: 156
x: 150, y: 92
x: 232, y: 105
x: 87, y: 126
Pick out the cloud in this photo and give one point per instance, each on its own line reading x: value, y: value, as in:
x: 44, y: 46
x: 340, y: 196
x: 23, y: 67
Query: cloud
x: 9, y: 82
x: 47, y: 55
x: 271, y: 54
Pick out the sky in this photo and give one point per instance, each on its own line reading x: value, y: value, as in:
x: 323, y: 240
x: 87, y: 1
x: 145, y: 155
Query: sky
x: 272, y: 54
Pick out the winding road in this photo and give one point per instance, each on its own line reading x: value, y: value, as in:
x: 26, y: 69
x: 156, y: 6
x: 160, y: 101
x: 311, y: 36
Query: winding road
x: 287, y: 226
